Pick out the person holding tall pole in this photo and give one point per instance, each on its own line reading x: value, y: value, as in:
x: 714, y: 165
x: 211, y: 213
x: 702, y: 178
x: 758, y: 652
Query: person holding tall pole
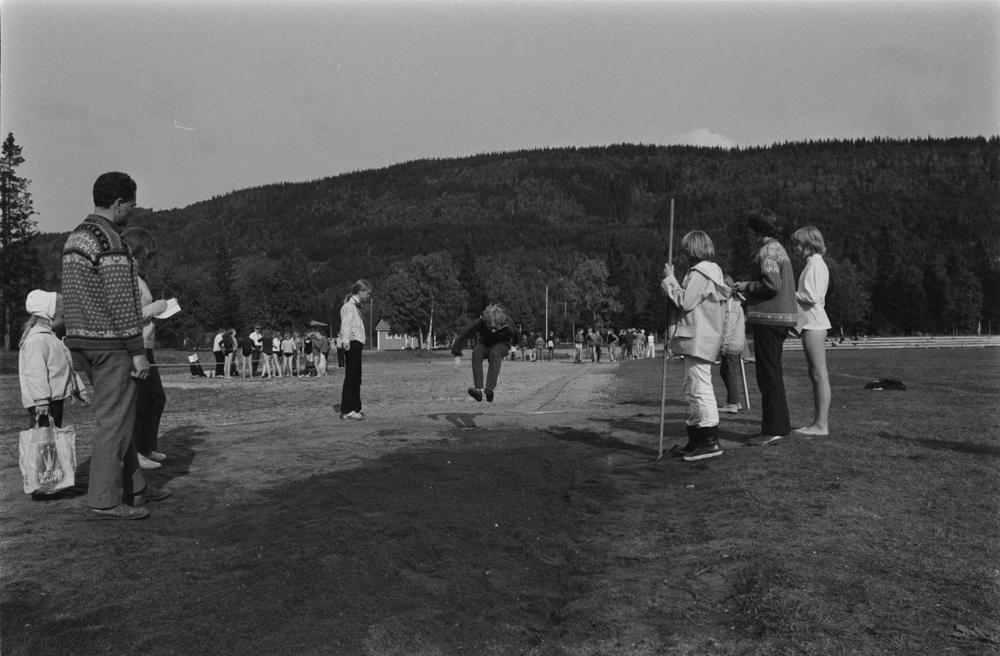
x: 698, y: 337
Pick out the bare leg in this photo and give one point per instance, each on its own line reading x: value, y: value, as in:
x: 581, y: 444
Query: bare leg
x: 814, y: 344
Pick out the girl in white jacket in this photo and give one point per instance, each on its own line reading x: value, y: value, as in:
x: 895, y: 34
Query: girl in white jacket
x: 352, y: 335
x: 45, y: 367
x: 698, y: 337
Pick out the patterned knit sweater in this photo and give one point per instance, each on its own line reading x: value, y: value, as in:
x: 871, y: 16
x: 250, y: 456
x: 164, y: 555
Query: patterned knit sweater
x: 771, y: 290
x: 100, y: 287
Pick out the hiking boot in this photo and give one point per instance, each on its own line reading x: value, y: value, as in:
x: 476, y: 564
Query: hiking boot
x: 476, y: 394
x: 708, y: 445
x: 151, y: 493
x: 489, y: 394
x: 677, y: 451
x: 146, y: 463
x: 121, y: 511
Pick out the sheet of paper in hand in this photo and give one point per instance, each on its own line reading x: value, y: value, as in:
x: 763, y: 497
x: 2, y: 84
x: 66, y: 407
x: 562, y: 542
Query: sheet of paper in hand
x: 173, y: 307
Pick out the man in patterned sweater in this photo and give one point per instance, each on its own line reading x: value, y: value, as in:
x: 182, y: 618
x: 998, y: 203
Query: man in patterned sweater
x: 100, y: 289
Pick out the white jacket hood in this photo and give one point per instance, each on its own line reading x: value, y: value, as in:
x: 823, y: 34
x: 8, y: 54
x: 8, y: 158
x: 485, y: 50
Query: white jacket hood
x: 713, y: 272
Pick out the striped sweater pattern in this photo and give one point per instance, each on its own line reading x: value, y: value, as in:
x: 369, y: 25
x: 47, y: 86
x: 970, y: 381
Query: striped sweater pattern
x: 100, y: 287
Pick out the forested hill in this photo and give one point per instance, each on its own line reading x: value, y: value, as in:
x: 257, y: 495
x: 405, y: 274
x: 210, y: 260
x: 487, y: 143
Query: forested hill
x: 912, y: 227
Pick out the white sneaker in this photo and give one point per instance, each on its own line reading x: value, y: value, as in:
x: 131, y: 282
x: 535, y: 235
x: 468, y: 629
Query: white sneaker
x: 146, y: 463
x: 156, y: 456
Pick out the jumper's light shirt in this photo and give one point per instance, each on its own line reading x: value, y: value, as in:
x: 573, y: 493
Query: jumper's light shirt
x: 811, y: 297
x: 352, y: 327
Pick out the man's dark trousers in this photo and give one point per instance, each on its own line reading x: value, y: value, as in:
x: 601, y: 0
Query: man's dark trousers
x: 114, y: 464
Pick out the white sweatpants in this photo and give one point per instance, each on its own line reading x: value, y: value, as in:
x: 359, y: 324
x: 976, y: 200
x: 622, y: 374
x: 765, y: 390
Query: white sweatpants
x: 700, y: 395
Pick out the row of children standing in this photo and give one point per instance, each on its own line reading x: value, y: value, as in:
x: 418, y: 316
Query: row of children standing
x: 630, y: 344
x: 275, y: 355
x: 774, y: 309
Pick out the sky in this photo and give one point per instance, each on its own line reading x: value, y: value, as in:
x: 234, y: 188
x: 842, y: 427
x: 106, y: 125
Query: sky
x: 197, y: 98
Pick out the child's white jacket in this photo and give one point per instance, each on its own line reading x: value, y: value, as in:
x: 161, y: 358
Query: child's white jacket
x: 701, y: 304
x: 45, y: 368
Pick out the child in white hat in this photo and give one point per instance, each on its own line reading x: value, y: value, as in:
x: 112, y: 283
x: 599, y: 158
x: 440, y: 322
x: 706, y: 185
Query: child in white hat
x: 45, y: 366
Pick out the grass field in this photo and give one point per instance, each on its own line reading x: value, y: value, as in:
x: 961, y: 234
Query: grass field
x: 534, y: 525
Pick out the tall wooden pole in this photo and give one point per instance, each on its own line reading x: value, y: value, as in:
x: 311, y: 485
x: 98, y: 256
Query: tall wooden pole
x: 666, y: 339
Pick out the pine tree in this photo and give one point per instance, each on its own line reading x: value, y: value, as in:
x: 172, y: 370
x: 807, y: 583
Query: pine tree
x: 20, y: 267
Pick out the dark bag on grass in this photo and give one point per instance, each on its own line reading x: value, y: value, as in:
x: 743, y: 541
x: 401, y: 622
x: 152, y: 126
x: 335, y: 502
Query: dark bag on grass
x: 886, y: 383
x: 196, y: 369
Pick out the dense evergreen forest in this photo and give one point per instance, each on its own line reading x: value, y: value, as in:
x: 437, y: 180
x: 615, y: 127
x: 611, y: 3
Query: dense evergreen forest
x: 912, y: 229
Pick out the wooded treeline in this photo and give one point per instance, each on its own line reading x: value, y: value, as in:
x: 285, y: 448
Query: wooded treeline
x: 912, y: 229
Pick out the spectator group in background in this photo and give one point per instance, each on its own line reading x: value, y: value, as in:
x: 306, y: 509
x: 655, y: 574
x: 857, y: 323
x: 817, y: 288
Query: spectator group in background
x: 273, y: 354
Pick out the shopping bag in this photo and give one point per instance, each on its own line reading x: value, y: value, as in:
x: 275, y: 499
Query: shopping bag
x: 48, y: 458
x: 734, y: 338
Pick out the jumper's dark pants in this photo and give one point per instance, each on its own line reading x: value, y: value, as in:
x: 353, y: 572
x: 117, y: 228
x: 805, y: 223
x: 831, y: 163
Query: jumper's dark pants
x: 149, y: 404
x: 350, y: 397
x: 495, y: 355
x: 768, y: 342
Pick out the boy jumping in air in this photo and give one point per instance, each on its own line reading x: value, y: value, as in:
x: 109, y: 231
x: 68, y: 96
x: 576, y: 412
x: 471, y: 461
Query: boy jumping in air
x: 497, y: 335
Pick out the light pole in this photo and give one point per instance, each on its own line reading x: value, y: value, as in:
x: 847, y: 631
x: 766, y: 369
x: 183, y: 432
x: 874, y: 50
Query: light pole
x: 546, y: 312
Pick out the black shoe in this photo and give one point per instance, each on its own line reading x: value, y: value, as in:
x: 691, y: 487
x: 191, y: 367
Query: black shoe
x: 678, y: 451
x: 150, y: 493
x: 764, y: 440
x: 476, y: 394
x: 708, y: 445
x: 489, y: 394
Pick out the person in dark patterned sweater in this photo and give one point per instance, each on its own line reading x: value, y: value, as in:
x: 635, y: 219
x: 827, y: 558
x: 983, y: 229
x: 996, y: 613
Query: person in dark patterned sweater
x: 771, y: 312
x: 103, y: 309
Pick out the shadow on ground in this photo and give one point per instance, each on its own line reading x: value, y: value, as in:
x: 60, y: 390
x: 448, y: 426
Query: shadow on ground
x: 945, y: 445
x: 476, y: 547
x: 591, y: 438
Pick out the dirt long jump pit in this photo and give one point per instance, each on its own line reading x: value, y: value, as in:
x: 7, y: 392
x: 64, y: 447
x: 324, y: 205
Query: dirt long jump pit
x: 439, y: 525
